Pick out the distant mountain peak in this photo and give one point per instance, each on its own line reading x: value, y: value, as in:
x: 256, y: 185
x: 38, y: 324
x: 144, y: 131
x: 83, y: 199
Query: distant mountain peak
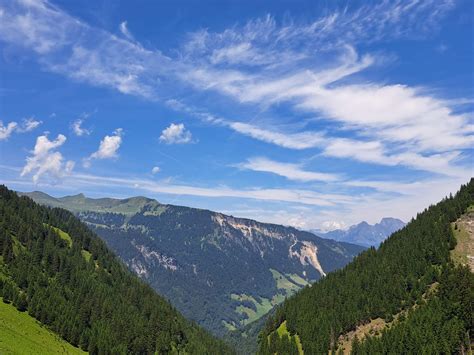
x: 82, y: 203
x: 364, y: 233
x: 79, y: 196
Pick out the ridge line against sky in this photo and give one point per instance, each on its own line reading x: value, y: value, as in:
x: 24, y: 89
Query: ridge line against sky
x: 301, y: 121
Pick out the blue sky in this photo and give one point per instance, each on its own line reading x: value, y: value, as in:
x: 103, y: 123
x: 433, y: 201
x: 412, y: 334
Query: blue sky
x: 315, y: 114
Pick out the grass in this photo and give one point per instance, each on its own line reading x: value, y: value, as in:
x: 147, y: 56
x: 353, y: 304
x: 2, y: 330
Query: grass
x: 463, y: 230
x: 262, y: 307
x: 297, y: 279
x: 289, y: 284
x: 22, y: 334
x: 284, y: 283
x: 17, y: 246
x: 458, y: 253
x: 63, y: 235
x: 156, y: 211
x: 229, y: 326
x: 86, y: 254
x: 278, y: 298
x: 283, y: 331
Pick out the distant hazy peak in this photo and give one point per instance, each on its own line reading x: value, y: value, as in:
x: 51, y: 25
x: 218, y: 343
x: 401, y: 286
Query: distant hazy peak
x: 364, y: 233
x: 82, y: 203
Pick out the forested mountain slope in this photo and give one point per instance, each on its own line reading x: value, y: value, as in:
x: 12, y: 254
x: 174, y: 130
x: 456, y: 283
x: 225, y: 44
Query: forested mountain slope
x: 411, y: 278
x: 62, y: 274
x: 221, y: 271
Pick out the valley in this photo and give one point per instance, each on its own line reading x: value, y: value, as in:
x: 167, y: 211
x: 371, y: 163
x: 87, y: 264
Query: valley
x: 223, y: 272
x: 227, y: 177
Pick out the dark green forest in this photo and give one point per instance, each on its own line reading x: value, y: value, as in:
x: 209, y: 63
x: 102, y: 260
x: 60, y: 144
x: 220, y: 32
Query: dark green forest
x: 391, y: 280
x: 53, y: 267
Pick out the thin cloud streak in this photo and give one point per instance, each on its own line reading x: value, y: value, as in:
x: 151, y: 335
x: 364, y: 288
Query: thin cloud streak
x: 290, y: 171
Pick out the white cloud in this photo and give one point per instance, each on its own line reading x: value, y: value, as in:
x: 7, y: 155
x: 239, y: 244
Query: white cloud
x: 290, y: 171
x: 299, y: 196
x: 108, y: 147
x: 155, y: 170
x: 303, y: 140
x: 6, y: 131
x: 78, y: 129
x: 27, y: 125
x: 46, y: 161
x: 375, y: 152
x: 70, y: 47
x: 176, y: 134
x: 328, y: 226
x: 125, y: 31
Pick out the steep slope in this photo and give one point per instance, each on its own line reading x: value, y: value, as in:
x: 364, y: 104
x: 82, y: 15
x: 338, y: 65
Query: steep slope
x: 55, y: 268
x: 409, y: 286
x: 365, y: 234
x: 224, y: 272
x: 35, y: 339
x: 463, y: 229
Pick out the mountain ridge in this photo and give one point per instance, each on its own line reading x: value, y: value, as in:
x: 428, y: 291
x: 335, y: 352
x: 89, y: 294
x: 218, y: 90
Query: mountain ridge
x: 411, y: 291
x: 363, y: 233
x: 234, y: 269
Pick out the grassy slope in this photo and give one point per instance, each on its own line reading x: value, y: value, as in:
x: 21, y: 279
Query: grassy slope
x: 63, y: 235
x: 289, y: 284
x: 283, y: 331
x: 35, y: 339
x: 463, y: 230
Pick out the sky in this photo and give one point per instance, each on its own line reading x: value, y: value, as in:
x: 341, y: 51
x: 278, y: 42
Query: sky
x: 315, y: 114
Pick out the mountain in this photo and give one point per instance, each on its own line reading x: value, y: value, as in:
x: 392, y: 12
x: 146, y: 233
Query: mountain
x: 59, y: 272
x: 365, y: 234
x: 412, y: 295
x: 221, y: 271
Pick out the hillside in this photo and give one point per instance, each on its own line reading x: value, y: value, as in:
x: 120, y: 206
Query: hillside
x: 221, y: 271
x: 35, y: 338
x: 53, y: 267
x: 365, y: 234
x: 408, y: 295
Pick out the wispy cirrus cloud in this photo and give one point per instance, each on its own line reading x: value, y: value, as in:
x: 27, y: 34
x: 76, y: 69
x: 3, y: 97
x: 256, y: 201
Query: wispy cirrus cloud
x: 71, y: 47
x: 288, y: 170
x: 125, y: 31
